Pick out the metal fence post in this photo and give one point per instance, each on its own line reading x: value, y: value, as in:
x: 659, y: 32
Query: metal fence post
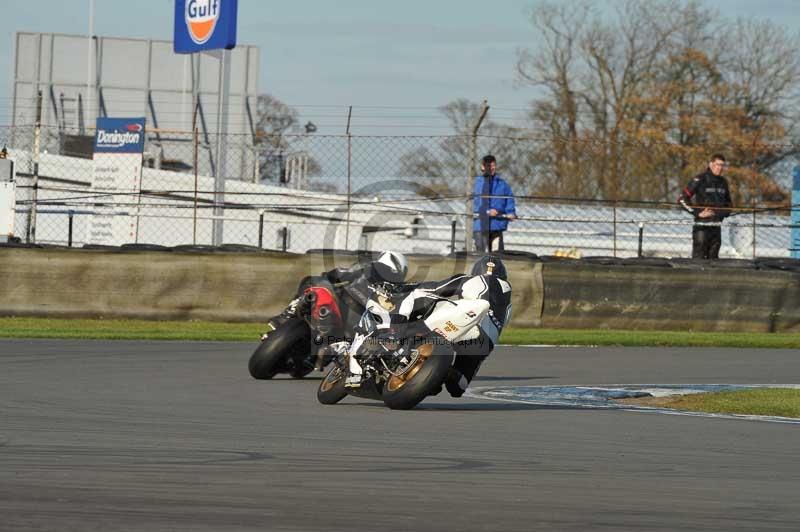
x: 453, y: 225
x: 71, y: 214
x: 349, y: 178
x: 195, y: 143
x: 30, y: 236
x: 641, y: 238
x: 615, y: 229
x: 471, y: 163
x: 754, y: 229
x: 261, y: 228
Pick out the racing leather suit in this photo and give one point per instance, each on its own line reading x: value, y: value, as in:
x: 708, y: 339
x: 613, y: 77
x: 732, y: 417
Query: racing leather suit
x: 706, y: 190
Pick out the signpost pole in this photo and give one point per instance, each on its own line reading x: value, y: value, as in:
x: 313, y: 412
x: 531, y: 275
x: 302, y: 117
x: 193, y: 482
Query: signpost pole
x: 211, y: 27
x: 222, y: 145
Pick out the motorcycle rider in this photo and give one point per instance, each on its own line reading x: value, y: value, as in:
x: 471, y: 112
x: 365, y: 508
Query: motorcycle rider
x: 354, y: 286
x: 487, y: 280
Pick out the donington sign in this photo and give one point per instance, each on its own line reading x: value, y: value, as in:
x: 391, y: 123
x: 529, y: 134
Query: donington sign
x: 116, y: 181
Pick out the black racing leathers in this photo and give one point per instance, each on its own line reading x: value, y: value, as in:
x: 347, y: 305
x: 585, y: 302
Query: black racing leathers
x: 706, y: 190
x: 351, y: 287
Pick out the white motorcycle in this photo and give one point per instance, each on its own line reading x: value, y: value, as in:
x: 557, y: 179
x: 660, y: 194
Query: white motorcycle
x: 391, y: 363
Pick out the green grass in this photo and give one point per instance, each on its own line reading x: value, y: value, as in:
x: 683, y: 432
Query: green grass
x: 249, y: 332
x: 128, y: 329
x: 650, y: 338
x: 784, y: 402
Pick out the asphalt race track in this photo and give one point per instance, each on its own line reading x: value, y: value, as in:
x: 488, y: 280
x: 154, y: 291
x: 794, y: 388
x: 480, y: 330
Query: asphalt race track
x: 152, y: 436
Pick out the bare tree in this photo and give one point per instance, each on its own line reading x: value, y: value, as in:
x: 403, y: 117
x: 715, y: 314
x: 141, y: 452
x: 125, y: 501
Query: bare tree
x: 278, y: 136
x: 445, y: 162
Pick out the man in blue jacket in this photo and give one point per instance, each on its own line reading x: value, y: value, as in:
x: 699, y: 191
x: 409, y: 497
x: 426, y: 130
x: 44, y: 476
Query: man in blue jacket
x: 493, y: 205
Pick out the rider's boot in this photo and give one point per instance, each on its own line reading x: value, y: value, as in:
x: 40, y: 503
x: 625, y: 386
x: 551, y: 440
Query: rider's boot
x: 286, y: 314
x: 456, y: 383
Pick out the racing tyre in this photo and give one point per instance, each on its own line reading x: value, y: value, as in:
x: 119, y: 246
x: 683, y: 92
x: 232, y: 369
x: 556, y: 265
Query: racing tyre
x: 292, y: 339
x: 331, y: 389
x: 422, y: 379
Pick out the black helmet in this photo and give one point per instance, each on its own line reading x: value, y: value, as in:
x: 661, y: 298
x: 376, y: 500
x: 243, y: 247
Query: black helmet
x: 490, y: 265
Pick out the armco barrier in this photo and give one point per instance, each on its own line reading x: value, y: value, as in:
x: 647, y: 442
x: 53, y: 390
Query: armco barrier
x: 241, y: 285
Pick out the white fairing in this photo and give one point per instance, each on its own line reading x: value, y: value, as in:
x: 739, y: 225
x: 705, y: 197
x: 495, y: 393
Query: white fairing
x: 7, y: 204
x: 353, y: 365
x: 457, y: 320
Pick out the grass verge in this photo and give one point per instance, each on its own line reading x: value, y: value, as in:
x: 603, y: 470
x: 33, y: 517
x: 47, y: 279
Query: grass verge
x: 128, y: 329
x: 650, y: 338
x: 248, y: 332
x: 784, y: 402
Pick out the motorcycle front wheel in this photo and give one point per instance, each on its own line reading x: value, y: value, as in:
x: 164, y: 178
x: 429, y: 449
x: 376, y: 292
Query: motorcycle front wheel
x: 331, y: 389
x: 291, y: 340
x: 420, y: 380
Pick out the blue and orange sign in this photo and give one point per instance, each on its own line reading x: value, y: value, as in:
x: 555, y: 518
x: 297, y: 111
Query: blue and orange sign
x: 204, y: 25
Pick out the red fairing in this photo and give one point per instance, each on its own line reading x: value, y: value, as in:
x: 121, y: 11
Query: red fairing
x: 324, y: 299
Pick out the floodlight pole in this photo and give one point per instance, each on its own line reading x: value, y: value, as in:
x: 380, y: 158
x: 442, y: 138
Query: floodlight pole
x: 89, y: 66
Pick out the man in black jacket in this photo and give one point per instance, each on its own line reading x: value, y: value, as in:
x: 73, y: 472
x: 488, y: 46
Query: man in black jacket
x: 707, y: 198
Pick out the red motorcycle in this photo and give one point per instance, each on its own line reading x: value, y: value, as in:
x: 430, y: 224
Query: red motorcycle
x: 298, y: 345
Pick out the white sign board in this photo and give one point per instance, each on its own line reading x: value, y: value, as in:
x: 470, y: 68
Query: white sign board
x: 7, y: 212
x: 116, y: 181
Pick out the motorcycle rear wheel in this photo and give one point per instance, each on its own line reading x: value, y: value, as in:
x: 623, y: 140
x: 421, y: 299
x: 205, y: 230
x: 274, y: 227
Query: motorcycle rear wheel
x: 424, y: 378
x: 291, y: 339
x: 331, y: 390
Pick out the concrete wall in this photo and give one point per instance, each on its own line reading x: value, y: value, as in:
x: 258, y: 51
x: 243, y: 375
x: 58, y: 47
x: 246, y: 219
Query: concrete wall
x: 253, y: 286
x: 658, y: 298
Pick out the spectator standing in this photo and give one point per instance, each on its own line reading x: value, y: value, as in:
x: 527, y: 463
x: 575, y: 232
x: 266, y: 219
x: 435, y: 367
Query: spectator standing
x: 708, y: 199
x: 493, y: 206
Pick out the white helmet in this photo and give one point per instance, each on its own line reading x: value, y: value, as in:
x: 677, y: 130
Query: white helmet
x: 391, y: 266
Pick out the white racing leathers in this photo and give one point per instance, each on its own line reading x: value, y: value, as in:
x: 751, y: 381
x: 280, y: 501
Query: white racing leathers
x: 470, y: 353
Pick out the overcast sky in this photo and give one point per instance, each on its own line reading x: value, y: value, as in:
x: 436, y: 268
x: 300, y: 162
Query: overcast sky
x: 394, y: 61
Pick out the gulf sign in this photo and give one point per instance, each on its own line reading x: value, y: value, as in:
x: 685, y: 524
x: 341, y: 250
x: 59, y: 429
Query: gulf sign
x: 204, y: 25
x: 119, y: 135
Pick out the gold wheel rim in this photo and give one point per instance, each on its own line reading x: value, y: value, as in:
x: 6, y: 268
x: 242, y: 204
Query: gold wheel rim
x: 396, y: 382
x: 329, y: 382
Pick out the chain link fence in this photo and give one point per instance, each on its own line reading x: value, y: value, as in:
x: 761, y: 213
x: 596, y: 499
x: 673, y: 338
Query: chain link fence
x: 298, y: 193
